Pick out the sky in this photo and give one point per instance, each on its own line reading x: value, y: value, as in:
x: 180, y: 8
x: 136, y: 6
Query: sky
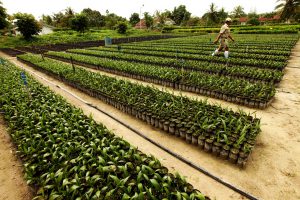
x: 125, y: 8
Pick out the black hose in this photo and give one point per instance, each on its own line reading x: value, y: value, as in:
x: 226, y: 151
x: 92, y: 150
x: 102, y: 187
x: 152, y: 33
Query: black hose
x: 179, y: 157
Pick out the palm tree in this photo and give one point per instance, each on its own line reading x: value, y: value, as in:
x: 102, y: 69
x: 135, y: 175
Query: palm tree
x: 69, y: 11
x: 238, y: 12
x: 288, y: 8
x: 161, y: 16
x: 212, y: 13
x: 222, y: 14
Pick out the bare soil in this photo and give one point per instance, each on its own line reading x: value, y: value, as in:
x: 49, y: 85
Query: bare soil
x: 273, y: 170
x: 12, y: 183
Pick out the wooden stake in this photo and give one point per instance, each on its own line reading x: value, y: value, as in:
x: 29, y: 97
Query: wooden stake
x: 72, y: 64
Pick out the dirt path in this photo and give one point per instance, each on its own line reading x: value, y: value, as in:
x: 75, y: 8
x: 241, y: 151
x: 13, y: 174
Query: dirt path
x: 12, y: 183
x: 273, y: 171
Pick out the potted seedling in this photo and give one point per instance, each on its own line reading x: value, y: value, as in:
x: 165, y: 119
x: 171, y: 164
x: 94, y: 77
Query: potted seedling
x: 188, y: 137
x: 208, y: 144
x: 233, y: 155
x: 243, y: 155
x: 166, y: 126
x: 161, y: 124
x: 216, y: 148
x: 172, y: 128
x: 201, y: 141
x: 195, y: 136
x: 182, y: 132
x: 178, y: 127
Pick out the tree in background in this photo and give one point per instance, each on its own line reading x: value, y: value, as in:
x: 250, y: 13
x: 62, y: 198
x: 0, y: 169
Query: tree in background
x: 69, y: 11
x: 222, y: 15
x: 238, y: 12
x: 148, y: 20
x: 253, y: 14
x: 253, y: 22
x: 167, y: 13
x: 47, y: 19
x: 111, y: 20
x: 63, y: 20
x: 57, y: 18
x: 269, y: 14
x: 122, y: 27
x: 212, y: 14
x: 27, y: 25
x: 161, y: 16
x: 297, y: 17
x: 180, y: 15
x: 94, y: 17
x: 288, y: 8
x: 69, y: 14
x: 79, y: 23
x: 134, y: 19
x: 193, y: 21
x: 3, y: 15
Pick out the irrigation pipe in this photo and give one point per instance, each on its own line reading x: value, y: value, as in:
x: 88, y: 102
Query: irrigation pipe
x: 179, y: 157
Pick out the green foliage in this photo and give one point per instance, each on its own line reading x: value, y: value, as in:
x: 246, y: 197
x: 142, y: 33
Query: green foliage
x: 269, y: 14
x: 193, y: 21
x: 70, y: 36
x: 253, y: 21
x: 222, y: 15
x: 288, y: 8
x: 193, y: 60
x: 67, y: 155
x: 213, y: 16
x: 161, y: 104
x: 134, y: 19
x: 122, y: 27
x: 168, y: 29
x: 79, y: 23
x: 241, y: 29
x: 3, y: 16
x: 111, y: 20
x: 180, y: 15
x: 270, y: 31
x: 197, y: 78
x: 27, y: 25
x: 47, y: 19
x: 203, y: 118
x: 162, y: 16
x: 63, y: 19
x: 252, y: 15
x: 94, y: 17
x: 148, y: 20
x: 238, y: 12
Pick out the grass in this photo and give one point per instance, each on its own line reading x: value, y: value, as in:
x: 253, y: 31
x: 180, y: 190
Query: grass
x: 69, y: 36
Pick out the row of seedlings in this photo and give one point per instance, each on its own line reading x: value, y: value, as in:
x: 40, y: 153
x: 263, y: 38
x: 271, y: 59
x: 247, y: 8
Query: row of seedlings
x: 67, y: 155
x: 230, y: 135
x: 239, y: 91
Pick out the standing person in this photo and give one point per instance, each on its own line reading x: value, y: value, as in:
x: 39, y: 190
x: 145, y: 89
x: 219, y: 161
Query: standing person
x: 223, y: 38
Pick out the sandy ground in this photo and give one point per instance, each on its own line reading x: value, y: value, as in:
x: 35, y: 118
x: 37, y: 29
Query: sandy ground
x: 273, y: 171
x: 12, y: 184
